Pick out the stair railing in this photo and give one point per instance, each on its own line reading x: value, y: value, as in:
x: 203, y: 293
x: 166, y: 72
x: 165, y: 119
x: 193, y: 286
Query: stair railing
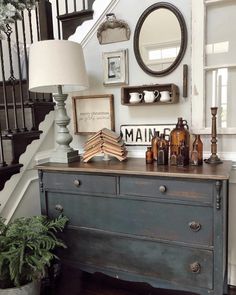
x: 14, y: 67
x: 18, y: 126
x: 68, y: 15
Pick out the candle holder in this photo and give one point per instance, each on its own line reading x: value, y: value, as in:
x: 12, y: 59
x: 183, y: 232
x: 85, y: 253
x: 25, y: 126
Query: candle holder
x: 214, y: 159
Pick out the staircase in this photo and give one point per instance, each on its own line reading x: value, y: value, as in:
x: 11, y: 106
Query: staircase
x: 20, y: 110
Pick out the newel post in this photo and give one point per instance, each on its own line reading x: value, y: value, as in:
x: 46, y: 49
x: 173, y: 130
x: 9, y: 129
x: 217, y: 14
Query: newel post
x: 45, y: 20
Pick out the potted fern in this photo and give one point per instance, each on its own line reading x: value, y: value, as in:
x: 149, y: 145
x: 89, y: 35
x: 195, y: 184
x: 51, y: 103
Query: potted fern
x: 26, y: 249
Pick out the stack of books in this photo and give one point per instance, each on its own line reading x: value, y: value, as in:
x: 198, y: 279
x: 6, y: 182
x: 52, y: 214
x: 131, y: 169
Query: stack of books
x: 105, y: 142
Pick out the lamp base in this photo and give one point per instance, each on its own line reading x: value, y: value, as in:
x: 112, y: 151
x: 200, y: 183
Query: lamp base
x: 64, y: 157
x: 213, y: 160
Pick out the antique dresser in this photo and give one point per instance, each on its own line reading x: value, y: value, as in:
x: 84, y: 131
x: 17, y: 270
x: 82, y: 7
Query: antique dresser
x: 166, y: 226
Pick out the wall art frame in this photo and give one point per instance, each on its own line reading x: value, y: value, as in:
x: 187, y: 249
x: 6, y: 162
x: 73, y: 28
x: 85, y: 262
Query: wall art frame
x: 115, y: 67
x: 113, y: 30
x: 91, y: 113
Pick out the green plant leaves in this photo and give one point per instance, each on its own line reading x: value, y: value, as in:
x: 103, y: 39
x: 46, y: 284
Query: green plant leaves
x: 26, y: 247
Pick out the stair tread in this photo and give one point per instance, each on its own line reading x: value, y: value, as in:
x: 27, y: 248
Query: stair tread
x: 75, y: 14
x: 10, y: 167
x: 28, y: 104
x: 12, y: 136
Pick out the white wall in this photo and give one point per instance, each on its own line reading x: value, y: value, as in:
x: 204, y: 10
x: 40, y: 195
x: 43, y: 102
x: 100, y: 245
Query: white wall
x: 30, y: 204
x: 136, y: 114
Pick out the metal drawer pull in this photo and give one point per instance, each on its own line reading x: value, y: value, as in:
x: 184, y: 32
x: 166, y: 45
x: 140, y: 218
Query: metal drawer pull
x: 59, y: 208
x: 195, y: 226
x: 195, y: 267
x: 162, y: 189
x: 76, y: 182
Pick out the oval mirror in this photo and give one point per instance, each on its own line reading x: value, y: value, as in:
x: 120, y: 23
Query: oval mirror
x: 160, y: 39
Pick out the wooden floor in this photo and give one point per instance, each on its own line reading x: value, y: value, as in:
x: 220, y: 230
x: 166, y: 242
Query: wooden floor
x: 73, y: 282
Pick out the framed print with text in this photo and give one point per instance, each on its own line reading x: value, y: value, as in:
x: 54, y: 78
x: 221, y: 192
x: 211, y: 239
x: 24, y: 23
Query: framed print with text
x: 92, y: 113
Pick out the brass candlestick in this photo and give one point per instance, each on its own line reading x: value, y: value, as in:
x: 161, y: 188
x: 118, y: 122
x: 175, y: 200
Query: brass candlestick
x: 214, y: 159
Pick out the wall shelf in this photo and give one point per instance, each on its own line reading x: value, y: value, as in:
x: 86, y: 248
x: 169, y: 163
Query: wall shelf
x: 172, y: 88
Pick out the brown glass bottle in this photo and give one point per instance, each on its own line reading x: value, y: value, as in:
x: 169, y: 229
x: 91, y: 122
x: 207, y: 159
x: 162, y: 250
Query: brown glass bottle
x: 178, y: 135
x: 197, y: 149
x: 183, y: 155
x: 155, y: 140
x: 163, y: 151
x: 149, y: 155
x: 173, y: 159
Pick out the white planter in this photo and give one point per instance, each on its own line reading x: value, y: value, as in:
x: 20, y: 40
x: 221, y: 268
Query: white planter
x: 32, y: 288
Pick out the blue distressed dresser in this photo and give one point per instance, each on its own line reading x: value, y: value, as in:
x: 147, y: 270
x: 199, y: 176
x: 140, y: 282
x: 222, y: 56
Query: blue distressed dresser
x: 165, y: 226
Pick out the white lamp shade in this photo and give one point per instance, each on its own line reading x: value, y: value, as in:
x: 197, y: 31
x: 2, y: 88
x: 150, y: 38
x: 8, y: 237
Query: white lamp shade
x: 54, y: 63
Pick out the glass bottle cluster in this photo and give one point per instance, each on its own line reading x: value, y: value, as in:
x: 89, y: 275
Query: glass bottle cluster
x: 174, y: 149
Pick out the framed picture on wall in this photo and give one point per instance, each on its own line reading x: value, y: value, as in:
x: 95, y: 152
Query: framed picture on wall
x: 115, y: 67
x: 91, y: 113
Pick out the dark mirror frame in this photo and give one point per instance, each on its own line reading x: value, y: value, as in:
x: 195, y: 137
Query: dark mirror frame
x: 184, y: 37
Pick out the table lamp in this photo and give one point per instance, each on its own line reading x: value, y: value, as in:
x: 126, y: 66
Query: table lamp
x: 58, y: 67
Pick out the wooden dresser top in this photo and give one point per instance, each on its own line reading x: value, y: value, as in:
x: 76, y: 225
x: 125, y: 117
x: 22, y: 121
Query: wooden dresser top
x: 137, y: 166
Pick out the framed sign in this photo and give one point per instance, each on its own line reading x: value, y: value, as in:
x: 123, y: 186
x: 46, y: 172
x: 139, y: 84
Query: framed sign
x: 92, y: 113
x: 115, y: 67
x: 142, y: 134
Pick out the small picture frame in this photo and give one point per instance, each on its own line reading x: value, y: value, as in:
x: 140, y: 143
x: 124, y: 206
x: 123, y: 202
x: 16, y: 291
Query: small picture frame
x: 91, y: 113
x: 115, y: 67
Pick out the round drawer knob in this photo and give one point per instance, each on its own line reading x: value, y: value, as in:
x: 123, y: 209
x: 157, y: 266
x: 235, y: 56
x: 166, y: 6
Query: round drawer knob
x: 59, y: 208
x: 195, y: 267
x: 162, y: 189
x: 76, y: 182
x: 195, y: 226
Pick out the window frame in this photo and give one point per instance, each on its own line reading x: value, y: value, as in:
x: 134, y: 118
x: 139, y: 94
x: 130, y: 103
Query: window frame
x: 199, y: 15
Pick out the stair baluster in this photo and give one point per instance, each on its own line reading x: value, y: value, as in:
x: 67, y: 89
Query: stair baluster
x: 7, y: 129
x: 66, y: 6
x: 37, y: 22
x: 25, y: 53
x: 2, y: 161
x: 58, y: 21
x: 75, y: 9
x: 35, y: 95
x: 12, y: 78
x: 20, y: 79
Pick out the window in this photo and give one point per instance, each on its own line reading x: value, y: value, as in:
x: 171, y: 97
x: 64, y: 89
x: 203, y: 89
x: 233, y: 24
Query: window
x: 214, y: 64
x: 160, y: 55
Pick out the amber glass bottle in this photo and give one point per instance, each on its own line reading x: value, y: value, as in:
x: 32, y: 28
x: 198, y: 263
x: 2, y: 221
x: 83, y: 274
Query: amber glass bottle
x: 155, y: 140
x: 197, y: 151
x: 183, y: 155
x: 163, y: 151
x: 149, y: 155
x: 179, y: 135
x: 173, y: 159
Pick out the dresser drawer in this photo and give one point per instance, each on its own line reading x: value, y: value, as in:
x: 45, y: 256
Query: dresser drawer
x: 178, y: 265
x: 81, y: 183
x: 186, y: 190
x: 173, y: 222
